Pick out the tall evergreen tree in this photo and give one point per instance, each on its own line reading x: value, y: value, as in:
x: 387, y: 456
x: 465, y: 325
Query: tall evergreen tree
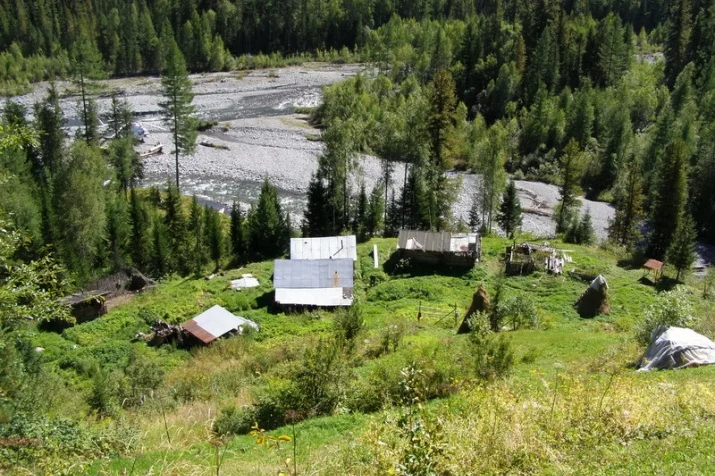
x: 360, y: 218
x: 177, y: 107
x: 237, y: 235
x: 681, y: 252
x: 677, y: 38
x: 80, y: 207
x: 175, y: 223
x: 267, y: 227
x: 629, y: 205
x: 586, y: 235
x: 214, y: 236
x: 49, y: 122
x: 140, y: 222
x: 316, y: 218
x: 118, y: 231
x: 475, y: 220
x: 121, y: 116
x: 571, y: 170
x: 669, y: 198
x: 196, y: 227
x: 376, y: 212
x: 87, y: 63
x: 509, y: 217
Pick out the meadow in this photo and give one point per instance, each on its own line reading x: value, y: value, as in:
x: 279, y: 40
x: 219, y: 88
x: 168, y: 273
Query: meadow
x: 406, y: 395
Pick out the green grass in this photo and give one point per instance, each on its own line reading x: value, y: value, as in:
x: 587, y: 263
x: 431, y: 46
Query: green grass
x: 567, y: 364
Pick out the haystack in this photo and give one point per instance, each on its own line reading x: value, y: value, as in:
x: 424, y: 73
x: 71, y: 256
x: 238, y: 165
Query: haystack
x: 480, y: 303
x: 595, y: 300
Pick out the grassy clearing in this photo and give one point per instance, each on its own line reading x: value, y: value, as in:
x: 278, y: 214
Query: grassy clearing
x: 573, y: 403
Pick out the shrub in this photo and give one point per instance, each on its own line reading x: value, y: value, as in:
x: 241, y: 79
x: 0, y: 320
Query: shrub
x: 672, y: 308
x: 492, y: 355
x: 519, y: 311
x: 234, y: 421
x: 348, y: 323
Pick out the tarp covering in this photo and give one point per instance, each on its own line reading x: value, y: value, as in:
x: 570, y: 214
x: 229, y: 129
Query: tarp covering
x: 246, y: 281
x: 677, y: 348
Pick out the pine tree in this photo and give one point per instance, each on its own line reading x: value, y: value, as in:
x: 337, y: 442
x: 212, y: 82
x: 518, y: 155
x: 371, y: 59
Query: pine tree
x: 49, y: 122
x: 118, y: 231
x: 196, y: 231
x: 124, y: 160
x: 571, y: 169
x: 175, y: 223
x: 669, y: 198
x: 161, y: 255
x: 214, y: 235
x: 140, y: 234
x: 509, y: 217
x: 316, y: 218
x: 677, y: 39
x: 586, y: 235
x: 267, y: 227
x: 238, y: 240
x: 80, y: 207
x: 376, y: 212
x: 360, y: 218
x: 629, y: 205
x: 681, y: 252
x: 87, y: 63
x: 442, y: 99
x: 121, y: 116
x: 475, y: 221
x: 177, y: 107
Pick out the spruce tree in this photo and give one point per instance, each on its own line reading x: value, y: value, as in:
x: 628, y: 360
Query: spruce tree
x: 86, y: 64
x: 125, y: 163
x: 677, y: 39
x: 237, y: 236
x: 316, y: 218
x: 475, y: 221
x: 140, y: 231
x: 214, y: 236
x: 121, y: 116
x: 623, y: 230
x: 376, y: 212
x: 175, y: 222
x: 177, y: 107
x: 585, y: 234
x: 669, y: 198
x: 79, y: 204
x: 571, y: 169
x: 196, y: 232
x: 118, y: 231
x: 49, y: 122
x: 509, y: 217
x: 681, y: 252
x: 161, y: 254
x: 360, y: 218
x: 267, y: 234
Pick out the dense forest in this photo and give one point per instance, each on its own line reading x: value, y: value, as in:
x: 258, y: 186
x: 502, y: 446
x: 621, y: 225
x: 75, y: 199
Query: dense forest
x: 614, y: 100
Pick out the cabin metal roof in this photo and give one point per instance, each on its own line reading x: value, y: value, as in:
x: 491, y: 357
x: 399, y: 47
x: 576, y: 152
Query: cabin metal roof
x: 313, y: 274
x: 440, y: 242
x: 215, y: 322
x: 330, y: 247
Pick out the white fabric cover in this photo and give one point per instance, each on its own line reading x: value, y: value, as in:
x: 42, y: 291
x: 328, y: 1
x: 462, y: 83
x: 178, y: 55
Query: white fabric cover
x: 676, y: 348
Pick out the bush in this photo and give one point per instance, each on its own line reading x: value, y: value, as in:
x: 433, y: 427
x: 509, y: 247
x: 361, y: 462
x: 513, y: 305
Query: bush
x: 519, y: 311
x: 492, y: 355
x: 234, y: 421
x: 672, y: 308
x: 348, y: 323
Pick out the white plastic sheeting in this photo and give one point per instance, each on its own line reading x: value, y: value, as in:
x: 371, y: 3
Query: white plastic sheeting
x: 246, y: 281
x: 677, y: 348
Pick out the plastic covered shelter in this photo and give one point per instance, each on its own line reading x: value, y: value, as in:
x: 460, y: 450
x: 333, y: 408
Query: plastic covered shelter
x: 677, y: 348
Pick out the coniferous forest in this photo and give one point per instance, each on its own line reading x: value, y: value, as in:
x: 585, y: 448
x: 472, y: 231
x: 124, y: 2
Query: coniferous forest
x: 609, y: 100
